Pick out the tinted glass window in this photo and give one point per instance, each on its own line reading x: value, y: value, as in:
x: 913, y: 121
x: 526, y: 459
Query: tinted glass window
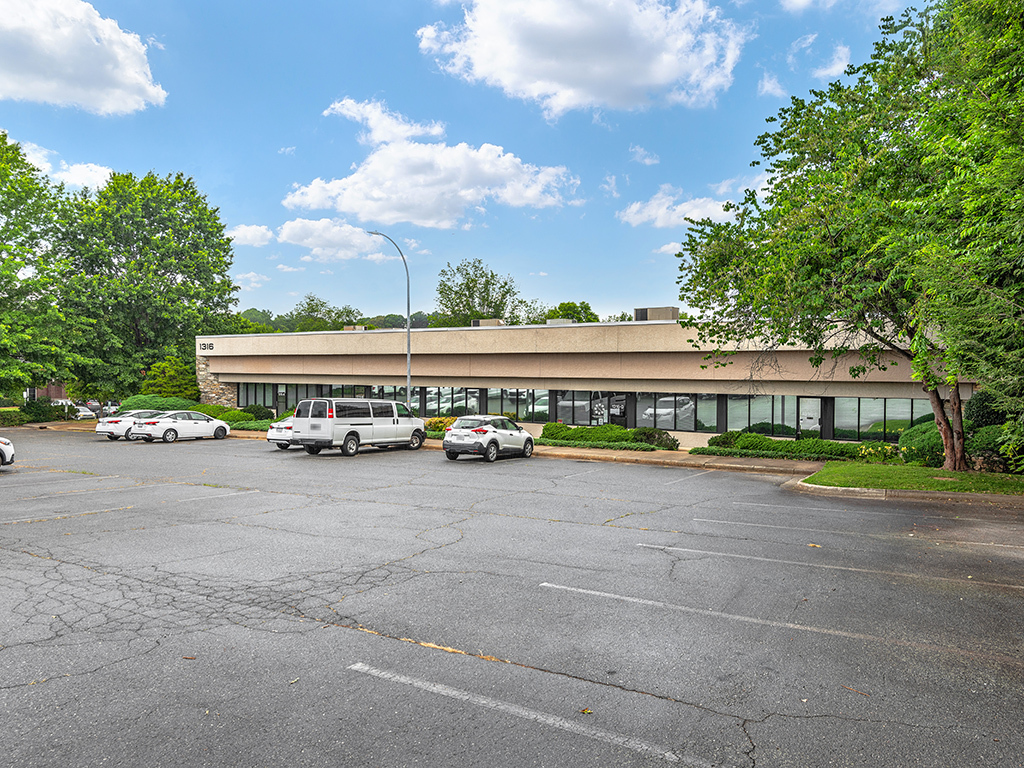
x: 350, y: 411
x: 402, y: 410
x: 318, y: 409
x: 302, y: 410
x: 383, y: 410
x: 466, y: 423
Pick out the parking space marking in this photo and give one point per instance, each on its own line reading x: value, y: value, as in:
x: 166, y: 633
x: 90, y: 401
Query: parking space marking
x: 543, y: 718
x: 998, y: 657
x: 826, y: 566
x: 218, y: 496
x: 581, y: 474
x: 64, y: 517
x: 72, y: 494
x: 689, y: 477
x: 79, y: 478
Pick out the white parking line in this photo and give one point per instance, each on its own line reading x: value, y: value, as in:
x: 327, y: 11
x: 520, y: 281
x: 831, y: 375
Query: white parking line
x: 64, y: 517
x: 972, y: 582
x: 580, y: 474
x: 543, y: 718
x: 1001, y: 658
x: 218, y: 496
x: 689, y: 477
x: 17, y: 485
x: 74, y: 494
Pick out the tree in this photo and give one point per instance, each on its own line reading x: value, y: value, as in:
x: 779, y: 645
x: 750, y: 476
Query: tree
x: 316, y: 314
x: 570, y: 310
x: 172, y: 377
x: 34, y: 331
x: 147, y: 260
x: 829, y: 258
x: 471, y: 291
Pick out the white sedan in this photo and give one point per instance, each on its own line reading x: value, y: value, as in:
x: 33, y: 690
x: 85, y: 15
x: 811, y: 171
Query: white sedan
x: 177, y: 425
x: 280, y: 433
x: 120, y: 425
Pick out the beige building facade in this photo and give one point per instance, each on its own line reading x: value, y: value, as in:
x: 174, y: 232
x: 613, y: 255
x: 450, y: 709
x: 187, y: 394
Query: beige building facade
x: 641, y: 373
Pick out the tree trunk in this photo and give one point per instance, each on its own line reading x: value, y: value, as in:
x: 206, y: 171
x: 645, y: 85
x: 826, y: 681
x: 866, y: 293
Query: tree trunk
x: 951, y: 431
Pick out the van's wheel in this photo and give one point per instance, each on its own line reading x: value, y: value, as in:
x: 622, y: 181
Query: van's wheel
x: 170, y: 436
x: 351, y: 446
x: 528, y: 449
x: 415, y: 441
x: 491, y: 452
x: 283, y: 446
x: 220, y: 433
x: 312, y: 450
x: 452, y: 455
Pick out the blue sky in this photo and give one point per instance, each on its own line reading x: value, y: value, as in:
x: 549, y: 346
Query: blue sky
x: 560, y: 141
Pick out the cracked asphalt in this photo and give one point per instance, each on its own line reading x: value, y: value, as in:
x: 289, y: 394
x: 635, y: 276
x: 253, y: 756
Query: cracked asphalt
x: 224, y: 603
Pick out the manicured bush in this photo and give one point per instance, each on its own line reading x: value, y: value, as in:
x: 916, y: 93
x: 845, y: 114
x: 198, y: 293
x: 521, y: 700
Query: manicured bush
x: 590, y: 444
x: 42, y: 410
x: 981, y: 410
x: 983, y: 448
x: 13, y: 418
x: 750, y: 441
x: 928, y: 418
x: 210, y: 409
x: 724, y: 440
x: 922, y: 445
x: 768, y: 428
x: 555, y: 431
x: 659, y: 438
x: 259, y: 412
x: 156, y: 403
x: 234, y: 416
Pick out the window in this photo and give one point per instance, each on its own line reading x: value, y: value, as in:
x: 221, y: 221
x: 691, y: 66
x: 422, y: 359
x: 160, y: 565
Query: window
x: 383, y: 410
x: 707, y: 413
x: 318, y: 410
x: 686, y: 413
x: 403, y: 412
x: 302, y: 409
x: 351, y: 411
x: 645, y: 409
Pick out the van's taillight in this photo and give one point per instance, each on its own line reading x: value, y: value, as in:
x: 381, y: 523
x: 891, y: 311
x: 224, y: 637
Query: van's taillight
x: 330, y: 413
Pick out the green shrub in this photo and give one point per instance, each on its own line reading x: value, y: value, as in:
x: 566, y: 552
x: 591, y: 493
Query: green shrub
x: 922, y: 445
x: 438, y: 423
x: 42, y: 410
x: 210, y: 409
x: 928, y: 418
x: 751, y: 441
x: 983, y: 448
x: 659, y: 438
x: 982, y: 410
x: 9, y: 402
x: 156, y: 403
x: 13, y: 418
x: 234, y: 416
x: 589, y: 444
x: 259, y: 412
x: 724, y: 440
x: 260, y: 425
x: 556, y: 431
x: 768, y: 428
x: 172, y: 377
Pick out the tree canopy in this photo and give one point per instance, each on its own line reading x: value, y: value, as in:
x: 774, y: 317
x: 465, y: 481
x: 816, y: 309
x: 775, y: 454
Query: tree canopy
x: 868, y: 215
x: 146, y: 258
x: 472, y: 291
x: 570, y: 310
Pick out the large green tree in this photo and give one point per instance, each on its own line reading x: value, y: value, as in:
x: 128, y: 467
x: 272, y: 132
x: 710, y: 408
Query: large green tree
x: 472, y: 291
x: 829, y: 256
x: 147, y: 259
x: 570, y: 310
x: 34, y: 331
x: 316, y: 314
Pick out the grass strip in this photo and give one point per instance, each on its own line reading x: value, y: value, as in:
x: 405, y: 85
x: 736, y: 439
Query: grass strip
x: 849, y: 474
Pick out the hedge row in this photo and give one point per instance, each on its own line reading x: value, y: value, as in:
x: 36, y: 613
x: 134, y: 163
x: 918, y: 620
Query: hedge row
x: 751, y: 441
x: 609, y: 433
x: 596, y: 444
x: 712, y: 451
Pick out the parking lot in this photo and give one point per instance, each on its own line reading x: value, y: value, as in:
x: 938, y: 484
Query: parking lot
x: 224, y: 603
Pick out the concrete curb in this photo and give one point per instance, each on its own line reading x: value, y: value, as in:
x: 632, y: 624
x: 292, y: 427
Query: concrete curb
x: 894, y: 494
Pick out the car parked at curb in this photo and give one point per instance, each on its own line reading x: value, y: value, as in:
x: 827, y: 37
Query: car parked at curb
x: 487, y: 436
x: 280, y: 433
x: 81, y: 412
x: 353, y: 422
x: 180, y: 425
x: 120, y: 425
x: 6, y: 452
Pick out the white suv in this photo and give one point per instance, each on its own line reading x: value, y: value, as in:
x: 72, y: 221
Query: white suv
x: 486, y: 436
x: 6, y: 451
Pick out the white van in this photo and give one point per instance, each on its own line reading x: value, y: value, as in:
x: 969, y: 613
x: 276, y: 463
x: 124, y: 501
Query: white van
x: 351, y: 422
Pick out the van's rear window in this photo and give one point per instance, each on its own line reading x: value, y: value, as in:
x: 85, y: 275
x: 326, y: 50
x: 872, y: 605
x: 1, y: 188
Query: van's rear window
x: 302, y: 409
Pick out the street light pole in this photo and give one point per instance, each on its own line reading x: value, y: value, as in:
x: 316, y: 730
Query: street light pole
x: 408, y: 321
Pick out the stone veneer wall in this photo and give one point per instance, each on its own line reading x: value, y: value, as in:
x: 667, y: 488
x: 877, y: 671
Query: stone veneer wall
x: 211, y: 390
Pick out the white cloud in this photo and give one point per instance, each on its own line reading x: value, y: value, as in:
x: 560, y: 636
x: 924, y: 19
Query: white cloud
x: 663, y: 210
x: 63, y: 52
x: 250, y: 234
x: 589, y: 54
x: 610, y: 186
x: 327, y: 239
x: 770, y: 86
x: 250, y: 281
x: 840, y: 61
x: 382, y: 125
x: 76, y: 175
x: 671, y: 249
x: 797, y: 6
x: 800, y: 45
x: 286, y: 151
x: 433, y: 185
x: 286, y: 268
x: 641, y: 155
